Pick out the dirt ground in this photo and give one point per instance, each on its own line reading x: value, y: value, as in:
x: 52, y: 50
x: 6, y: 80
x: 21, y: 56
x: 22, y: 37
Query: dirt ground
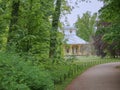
x: 100, y: 77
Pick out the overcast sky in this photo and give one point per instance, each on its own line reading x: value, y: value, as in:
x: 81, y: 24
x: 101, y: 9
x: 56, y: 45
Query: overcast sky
x: 93, y: 7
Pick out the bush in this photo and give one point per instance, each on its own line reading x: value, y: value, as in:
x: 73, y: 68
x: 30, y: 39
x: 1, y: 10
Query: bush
x: 17, y: 74
x: 61, y: 71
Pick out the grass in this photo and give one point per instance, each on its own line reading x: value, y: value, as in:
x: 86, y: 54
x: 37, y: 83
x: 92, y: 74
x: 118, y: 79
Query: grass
x: 66, y: 82
x: 85, y: 63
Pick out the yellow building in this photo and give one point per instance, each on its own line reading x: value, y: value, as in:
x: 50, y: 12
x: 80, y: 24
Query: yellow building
x: 74, y: 45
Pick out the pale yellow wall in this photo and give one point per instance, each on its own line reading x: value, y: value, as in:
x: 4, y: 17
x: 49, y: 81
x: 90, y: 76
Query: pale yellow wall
x: 73, y: 49
x: 81, y: 49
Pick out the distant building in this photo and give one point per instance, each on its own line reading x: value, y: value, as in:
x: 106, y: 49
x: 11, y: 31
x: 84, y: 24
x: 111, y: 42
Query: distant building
x: 74, y: 45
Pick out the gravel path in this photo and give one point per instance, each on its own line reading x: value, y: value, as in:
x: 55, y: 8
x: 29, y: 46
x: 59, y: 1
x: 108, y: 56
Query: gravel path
x: 100, y: 77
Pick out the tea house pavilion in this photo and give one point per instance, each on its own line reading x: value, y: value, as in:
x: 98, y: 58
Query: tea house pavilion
x: 74, y: 45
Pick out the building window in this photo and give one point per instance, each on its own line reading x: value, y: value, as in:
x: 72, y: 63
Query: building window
x: 72, y: 50
x: 67, y: 49
x: 70, y: 31
x: 76, y: 49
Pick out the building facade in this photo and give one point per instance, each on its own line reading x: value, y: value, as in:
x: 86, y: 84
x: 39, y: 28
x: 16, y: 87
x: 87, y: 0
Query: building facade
x: 74, y: 45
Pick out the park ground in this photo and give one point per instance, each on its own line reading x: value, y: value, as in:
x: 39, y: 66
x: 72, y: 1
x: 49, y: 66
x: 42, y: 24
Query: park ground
x: 100, y: 77
x: 101, y: 73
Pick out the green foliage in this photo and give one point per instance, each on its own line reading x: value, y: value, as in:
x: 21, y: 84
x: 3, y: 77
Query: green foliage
x: 54, y: 30
x: 15, y: 73
x: 86, y: 25
x: 34, y: 30
x: 111, y: 11
x: 30, y: 34
x: 61, y: 71
x: 109, y: 18
x: 111, y: 37
x: 4, y: 22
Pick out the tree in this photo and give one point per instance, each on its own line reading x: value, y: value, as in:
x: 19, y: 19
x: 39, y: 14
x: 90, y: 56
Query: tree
x: 109, y: 17
x: 26, y: 26
x: 110, y: 11
x: 99, y: 44
x: 112, y: 38
x: 86, y: 28
x: 86, y: 25
x: 34, y: 31
x: 4, y: 21
x: 29, y: 29
x: 54, y: 30
x: 13, y: 22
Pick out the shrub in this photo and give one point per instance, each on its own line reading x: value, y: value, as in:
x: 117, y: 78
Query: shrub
x: 61, y: 71
x: 17, y: 74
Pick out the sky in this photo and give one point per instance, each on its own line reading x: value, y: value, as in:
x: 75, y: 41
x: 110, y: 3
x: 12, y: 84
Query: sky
x: 93, y: 7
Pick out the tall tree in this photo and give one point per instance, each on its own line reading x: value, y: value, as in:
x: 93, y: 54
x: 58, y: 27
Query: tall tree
x: 34, y: 27
x: 54, y: 30
x: 13, y: 22
x: 109, y: 17
x: 86, y: 25
x: 4, y: 21
x: 28, y: 25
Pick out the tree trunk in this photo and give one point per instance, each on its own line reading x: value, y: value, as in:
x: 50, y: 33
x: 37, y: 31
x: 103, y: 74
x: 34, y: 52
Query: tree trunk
x: 54, y: 30
x: 13, y: 23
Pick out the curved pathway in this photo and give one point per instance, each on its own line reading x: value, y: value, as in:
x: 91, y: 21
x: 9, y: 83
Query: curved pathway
x: 100, y: 77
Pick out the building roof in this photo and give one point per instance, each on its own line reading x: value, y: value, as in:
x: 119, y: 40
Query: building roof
x: 68, y: 28
x: 74, y: 40
x: 71, y: 37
